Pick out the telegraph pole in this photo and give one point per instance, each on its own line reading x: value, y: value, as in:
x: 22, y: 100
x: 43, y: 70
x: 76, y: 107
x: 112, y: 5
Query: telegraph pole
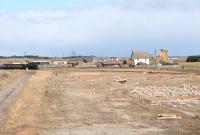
x: 155, y: 52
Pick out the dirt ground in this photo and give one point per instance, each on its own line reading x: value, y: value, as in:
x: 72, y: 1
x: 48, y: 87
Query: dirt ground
x: 8, y: 76
x: 65, y: 102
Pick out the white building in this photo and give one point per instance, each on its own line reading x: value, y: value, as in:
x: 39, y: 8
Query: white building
x: 141, y: 58
x: 41, y: 62
x: 60, y: 63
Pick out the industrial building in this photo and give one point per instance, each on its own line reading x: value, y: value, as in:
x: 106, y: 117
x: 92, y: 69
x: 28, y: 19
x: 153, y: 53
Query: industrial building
x: 163, y: 57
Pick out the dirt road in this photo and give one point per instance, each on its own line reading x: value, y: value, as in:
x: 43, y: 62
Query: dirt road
x: 59, y: 102
x: 8, y: 95
x: 7, y: 77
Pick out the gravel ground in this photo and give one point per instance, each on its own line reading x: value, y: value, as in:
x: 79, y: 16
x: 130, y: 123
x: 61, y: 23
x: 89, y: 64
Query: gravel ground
x: 60, y: 102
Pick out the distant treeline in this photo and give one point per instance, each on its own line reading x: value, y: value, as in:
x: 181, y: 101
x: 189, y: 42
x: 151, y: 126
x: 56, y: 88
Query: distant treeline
x: 43, y: 57
x: 193, y: 59
x: 28, y: 56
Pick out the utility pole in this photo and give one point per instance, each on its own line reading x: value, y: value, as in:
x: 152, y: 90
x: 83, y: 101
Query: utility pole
x: 25, y: 57
x: 73, y: 53
x: 155, y: 52
x: 132, y: 54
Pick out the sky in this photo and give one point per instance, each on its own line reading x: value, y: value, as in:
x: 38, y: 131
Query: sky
x: 101, y: 28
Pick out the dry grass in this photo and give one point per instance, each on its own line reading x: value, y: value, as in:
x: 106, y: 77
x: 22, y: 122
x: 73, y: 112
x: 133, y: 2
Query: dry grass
x: 7, y: 77
x: 191, y: 66
x: 12, y: 60
x: 23, y: 115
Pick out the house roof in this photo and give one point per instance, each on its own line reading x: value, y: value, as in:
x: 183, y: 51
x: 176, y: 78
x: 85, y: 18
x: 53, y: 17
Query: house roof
x: 140, y: 54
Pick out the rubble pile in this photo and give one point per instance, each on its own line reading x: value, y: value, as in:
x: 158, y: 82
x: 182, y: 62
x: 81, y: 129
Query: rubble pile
x: 155, y: 91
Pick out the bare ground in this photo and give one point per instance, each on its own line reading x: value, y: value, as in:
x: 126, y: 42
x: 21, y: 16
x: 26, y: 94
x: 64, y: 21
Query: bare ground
x: 9, y: 94
x: 62, y: 102
x: 7, y: 77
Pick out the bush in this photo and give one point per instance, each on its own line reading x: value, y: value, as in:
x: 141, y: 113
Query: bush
x: 193, y: 59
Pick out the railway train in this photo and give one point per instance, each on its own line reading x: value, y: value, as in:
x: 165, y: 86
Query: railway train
x: 29, y: 66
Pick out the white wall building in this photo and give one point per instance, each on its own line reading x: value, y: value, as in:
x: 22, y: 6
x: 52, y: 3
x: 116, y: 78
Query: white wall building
x: 141, y: 61
x: 60, y: 63
x: 141, y: 58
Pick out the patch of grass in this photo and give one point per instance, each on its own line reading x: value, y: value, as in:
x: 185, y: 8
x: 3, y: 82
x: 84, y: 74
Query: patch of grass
x: 190, y: 64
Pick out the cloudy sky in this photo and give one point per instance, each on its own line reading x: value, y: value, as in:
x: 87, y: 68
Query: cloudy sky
x: 99, y: 27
